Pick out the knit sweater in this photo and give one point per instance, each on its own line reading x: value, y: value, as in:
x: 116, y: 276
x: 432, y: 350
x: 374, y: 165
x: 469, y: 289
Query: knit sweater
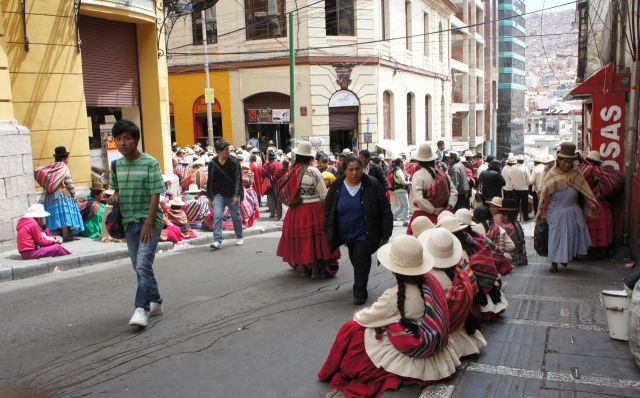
x: 312, y: 188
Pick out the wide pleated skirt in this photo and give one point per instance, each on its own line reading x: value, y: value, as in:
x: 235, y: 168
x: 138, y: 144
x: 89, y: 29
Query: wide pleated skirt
x: 568, y: 232
x: 350, y: 370
x: 63, y: 212
x: 303, y: 241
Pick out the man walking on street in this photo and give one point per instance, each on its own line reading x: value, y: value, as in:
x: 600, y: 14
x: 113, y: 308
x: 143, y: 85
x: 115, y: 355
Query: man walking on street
x: 137, y: 182
x: 269, y: 172
x: 458, y: 174
x: 373, y: 169
x: 224, y: 189
x: 520, y: 177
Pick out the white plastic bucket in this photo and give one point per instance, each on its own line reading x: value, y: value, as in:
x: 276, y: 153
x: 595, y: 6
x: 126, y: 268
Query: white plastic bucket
x: 617, y: 304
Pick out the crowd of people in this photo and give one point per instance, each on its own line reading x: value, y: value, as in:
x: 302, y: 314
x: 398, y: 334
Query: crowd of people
x: 462, y: 213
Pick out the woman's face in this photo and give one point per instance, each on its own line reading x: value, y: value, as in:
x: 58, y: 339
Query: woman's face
x: 41, y: 221
x: 566, y: 164
x: 494, y: 209
x: 327, y: 183
x: 504, y: 219
x: 99, y: 197
x: 354, y: 172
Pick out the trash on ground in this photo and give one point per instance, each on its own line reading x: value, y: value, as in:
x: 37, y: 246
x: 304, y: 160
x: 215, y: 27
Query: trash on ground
x: 180, y: 246
x: 57, y: 269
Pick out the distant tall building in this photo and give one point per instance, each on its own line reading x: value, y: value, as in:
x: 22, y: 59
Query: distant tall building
x: 511, y: 86
x: 531, y: 80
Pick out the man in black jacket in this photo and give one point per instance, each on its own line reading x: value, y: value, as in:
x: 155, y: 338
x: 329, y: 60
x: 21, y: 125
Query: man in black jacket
x: 373, y: 216
x: 373, y: 169
x: 224, y: 188
x: 491, y: 182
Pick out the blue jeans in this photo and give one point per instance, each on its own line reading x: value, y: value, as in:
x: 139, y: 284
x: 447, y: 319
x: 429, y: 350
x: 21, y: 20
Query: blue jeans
x: 403, y: 208
x: 142, y: 256
x: 219, y: 203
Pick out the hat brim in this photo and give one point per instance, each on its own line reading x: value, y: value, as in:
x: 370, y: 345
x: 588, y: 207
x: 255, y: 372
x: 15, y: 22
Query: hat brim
x: 312, y: 154
x: 446, y: 262
x: 385, y: 260
x: 97, y: 189
x: 61, y: 154
x: 418, y: 232
x: 594, y: 160
x: 425, y: 159
x: 507, y: 209
x: 495, y: 204
x: 574, y: 156
x: 462, y: 226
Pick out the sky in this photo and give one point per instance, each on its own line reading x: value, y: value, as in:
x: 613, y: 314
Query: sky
x: 536, y: 5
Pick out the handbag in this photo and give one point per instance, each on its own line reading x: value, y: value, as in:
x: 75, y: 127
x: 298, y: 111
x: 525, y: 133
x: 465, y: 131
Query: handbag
x: 541, y: 239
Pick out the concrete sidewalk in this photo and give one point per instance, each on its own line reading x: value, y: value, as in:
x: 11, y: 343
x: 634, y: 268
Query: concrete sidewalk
x: 91, y: 251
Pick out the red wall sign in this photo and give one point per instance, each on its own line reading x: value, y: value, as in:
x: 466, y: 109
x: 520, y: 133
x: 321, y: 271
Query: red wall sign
x: 607, y: 134
x: 201, y: 107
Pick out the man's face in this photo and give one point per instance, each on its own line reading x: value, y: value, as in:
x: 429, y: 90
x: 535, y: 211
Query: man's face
x: 365, y: 161
x: 226, y: 152
x: 126, y: 144
x: 441, y: 147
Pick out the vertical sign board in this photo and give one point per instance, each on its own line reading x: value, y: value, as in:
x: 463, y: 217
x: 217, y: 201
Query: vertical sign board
x: 607, y: 134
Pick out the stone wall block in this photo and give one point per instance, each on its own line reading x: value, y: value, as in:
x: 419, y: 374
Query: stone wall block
x: 11, y: 166
x: 27, y: 163
x: 6, y: 230
x: 15, y: 145
x: 19, y: 186
x: 3, y: 193
x: 9, y: 127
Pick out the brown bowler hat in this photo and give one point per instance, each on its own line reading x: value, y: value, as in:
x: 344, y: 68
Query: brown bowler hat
x: 97, y: 186
x: 567, y: 151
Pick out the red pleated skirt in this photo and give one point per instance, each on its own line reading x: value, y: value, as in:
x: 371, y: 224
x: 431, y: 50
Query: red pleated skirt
x: 350, y: 370
x: 418, y: 213
x: 303, y: 241
x: 486, y: 317
x: 601, y: 228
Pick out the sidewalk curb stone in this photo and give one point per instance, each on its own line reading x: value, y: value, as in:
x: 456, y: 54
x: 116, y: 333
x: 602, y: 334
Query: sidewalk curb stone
x: 83, y: 260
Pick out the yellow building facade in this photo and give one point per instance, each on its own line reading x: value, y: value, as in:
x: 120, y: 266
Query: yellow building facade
x: 44, y: 88
x: 186, y: 91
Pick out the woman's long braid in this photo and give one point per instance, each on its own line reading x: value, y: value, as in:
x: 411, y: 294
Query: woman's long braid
x: 401, y: 299
x: 451, y: 272
x: 466, y: 246
x: 429, y: 166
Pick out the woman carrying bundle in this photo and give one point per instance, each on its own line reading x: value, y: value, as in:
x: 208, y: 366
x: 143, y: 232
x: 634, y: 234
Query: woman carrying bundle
x: 433, y: 191
x: 92, y: 211
x: 395, y: 341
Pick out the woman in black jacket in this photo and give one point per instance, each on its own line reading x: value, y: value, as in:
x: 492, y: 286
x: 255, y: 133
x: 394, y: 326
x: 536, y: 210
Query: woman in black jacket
x: 363, y: 228
x: 491, y: 182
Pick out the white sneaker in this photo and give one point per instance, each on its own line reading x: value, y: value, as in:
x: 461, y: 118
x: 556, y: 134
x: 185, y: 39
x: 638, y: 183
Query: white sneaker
x: 155, y: 310
x: 239, y: 242
x: 139, y: 318
x: 215, y: 246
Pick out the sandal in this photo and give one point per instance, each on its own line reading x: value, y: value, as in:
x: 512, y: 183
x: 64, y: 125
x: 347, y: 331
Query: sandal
x: 554, y: 270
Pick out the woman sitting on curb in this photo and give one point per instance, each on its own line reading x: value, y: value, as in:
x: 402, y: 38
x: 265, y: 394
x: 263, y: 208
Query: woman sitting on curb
x: 33, y: 236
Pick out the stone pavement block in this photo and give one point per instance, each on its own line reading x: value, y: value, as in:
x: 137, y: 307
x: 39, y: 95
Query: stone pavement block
x: 595, y: 344
x: 30, y: 270
x: 593, y: 366
x: 91, y: 258
x: 588, y: 389
x: 474, y: 384
x: 403, y: 392
x: 520, y: 349
x: 6, y: 274
x: 64, y: 262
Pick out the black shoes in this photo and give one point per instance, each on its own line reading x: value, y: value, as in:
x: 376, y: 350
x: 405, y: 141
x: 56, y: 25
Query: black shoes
x: 359, y: 301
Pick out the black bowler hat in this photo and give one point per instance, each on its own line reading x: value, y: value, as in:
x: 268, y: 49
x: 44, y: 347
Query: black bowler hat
x: 60, y: 151
x: 509, y: 205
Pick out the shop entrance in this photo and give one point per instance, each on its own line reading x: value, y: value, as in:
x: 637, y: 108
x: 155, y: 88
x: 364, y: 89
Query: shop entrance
x: 341, y: 139
x: 267, y: 118
x: 200, y: 126
x: 344, y: 109
x: 278, y: 133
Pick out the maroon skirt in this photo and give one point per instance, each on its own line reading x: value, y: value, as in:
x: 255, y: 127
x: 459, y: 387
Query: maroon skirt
x: 418, y: 213
x: 350, y: 370
x: 303, y: 241
x: 599, y: 227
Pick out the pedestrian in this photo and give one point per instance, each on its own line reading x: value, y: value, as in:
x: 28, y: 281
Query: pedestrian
x: 324, y: 166
x: 269, y: 171
x: 401, y: 185
x: 254, y: 141
x: 303, y: 244
x: 224, y: 189
x: 487, y: 227
x: 520, y: 176
x: 507, y: 190
x: 439, y: 151
x: 562, y: 189
x: 432, y: 189
x: 341, y: 159
x: 537, y: 174
x: 395, y: 342
x: 601, y: 228
x: 372, y: 169
x: 33, y: 238
x: 485, y: 165
x: 358, y: 214
x: 59, y: 199
x: 509, y: 220
x: 494, y: 207
x: 328, y: 178
x: 491, y: 182
x: 137, y: 181
x: 458, y: 175
x: 503, y: 162
x: 92, y: 211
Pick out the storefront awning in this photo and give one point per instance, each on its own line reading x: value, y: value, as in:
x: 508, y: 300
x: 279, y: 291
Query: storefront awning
x: 603, y: 81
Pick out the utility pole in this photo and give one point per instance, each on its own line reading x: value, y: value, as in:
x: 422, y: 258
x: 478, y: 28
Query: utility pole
x: 292, y: 82
x: 206, y: 76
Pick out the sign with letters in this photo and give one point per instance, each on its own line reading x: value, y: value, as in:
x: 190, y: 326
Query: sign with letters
x: 607, y: 134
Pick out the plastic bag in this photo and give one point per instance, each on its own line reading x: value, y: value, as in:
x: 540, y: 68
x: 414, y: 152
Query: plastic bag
x: 541, y: 239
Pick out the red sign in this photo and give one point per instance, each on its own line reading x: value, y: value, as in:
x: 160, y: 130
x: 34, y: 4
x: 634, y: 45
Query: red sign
x: 111, y: 145
x: 170, y: 109
x: 201, y: 107
x: 607, y: 134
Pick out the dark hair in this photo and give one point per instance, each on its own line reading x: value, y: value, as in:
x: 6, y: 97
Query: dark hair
x: 252, y: 158
x: 302, y: 159
x: 397, y: 162
x: 285, y: 163
x: 490, y: 158
x: 402, y: 281
x: 221, y: 144
x: 505, y: 155
x: 466, y: 246
x: 495, y: 166
x: 483, y: 214
x: 243, y: 147
x: 511, y: 215
x: 61, y: 158
x: 440, y: 143
x: 429, y: 166
x: 176, y: 207
x: 124, y: 125
x: 93, y: 193
x: 352, y: 158
x: 322, y: 158
x: 365, y: 153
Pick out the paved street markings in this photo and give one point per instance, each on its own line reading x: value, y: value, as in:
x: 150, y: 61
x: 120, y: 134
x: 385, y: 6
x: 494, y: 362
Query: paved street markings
x: 437, y: 391
x: 546, y: 298
x: 564, y: 312
x: 593, y: 328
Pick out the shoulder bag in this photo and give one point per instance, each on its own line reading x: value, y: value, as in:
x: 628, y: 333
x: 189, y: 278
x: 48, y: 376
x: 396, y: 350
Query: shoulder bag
x: 217, y: 166
x: 113, y: 223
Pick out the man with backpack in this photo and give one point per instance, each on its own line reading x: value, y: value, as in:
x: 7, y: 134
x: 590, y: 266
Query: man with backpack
x: 224, y: 189
x: 137, y: 181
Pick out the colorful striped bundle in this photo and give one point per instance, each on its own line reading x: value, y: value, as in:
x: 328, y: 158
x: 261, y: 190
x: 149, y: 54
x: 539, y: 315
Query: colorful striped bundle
x: 196, y: 209
x: 484, y: 269
x: 460, y: 298
x: 464, y: 265
x: 610, y: 182
x: 51, y: 176
x: 249, y: 204
x: 433, y: 332
x: 288, y: 186
x: 438, y: 192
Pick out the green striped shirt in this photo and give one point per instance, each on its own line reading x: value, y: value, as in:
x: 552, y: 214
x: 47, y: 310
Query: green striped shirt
x: 137, y: 180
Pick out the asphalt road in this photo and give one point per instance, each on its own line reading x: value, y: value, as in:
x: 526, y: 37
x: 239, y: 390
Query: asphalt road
x: 238, y: 323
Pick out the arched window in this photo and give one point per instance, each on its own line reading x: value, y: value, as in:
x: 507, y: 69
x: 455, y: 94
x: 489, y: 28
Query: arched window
x: 441, y: 41
x: 386, y: 114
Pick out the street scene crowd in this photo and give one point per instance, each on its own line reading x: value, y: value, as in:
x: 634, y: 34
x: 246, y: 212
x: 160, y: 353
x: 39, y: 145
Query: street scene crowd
x: 462, y: 213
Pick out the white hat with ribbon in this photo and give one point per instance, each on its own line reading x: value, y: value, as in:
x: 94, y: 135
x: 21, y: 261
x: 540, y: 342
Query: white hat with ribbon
x: 405, y: 256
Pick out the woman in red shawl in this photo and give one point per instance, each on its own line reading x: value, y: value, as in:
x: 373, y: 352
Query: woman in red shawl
x: 600, y: 228
x: 259, y: 183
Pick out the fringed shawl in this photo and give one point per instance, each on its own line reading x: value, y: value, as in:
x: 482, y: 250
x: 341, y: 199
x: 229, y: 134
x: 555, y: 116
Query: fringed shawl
x: 179, y: 219
x: 460, y: 298
x: 484, y: 269
x: 438, y: 192
x: 88, y: 208
x: 51, y: 176
x: 464, y: 265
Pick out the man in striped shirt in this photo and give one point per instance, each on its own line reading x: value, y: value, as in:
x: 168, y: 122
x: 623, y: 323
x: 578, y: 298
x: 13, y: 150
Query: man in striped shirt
x: 137, y: 182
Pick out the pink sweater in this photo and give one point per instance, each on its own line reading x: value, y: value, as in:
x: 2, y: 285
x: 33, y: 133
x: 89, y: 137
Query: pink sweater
x: 29, y: 233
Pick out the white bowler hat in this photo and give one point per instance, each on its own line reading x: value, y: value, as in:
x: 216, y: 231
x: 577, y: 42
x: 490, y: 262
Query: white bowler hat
x: 464, y: 217
x: 405, y: 256
x: 36, y: 211
x: 199, y: 162
x: 539, y: 159
x: 176, y: 202
x: 425, y: 153
x: 519, y: 157
x: 421, y: 224
x: 511, y: 160
x: 193, y: 188
x: 109, y: 192
x: 550, y: 158
x: 304, y: 149
x: 451, y: 224
x: 255, y: 150
x: 445, y: 213
x: 443, y: 246
x: 346, y: 150
x: 594, y: 156
x: 468, y: 154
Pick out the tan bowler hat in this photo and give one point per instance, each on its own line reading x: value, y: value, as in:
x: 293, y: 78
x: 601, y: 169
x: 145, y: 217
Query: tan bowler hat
x: 451, y: 224
x: 443, y: 246
x: 594, y: 156
x: 421, y: 224
x: 445, y: 213
x: 405, y: 256
x: 464, y: 217
x: 425, y: 153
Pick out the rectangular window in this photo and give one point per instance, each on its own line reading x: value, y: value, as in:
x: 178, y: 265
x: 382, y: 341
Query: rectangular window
x: 384, y: 18
x: 212, y: 26
x: 426, y: 34
x: 407, y: 24
x: 265, y: 19
x: 426, y: 117
x: 340, y: 17
x: 409, y: 121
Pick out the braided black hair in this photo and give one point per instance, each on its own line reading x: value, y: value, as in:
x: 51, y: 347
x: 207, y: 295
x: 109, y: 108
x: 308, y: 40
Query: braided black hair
x: 472, y: 323
x: 402, y: 281
x: 466, y: 246
x: 471, y: 232
x: 429, y: 166
x: 483, y: 214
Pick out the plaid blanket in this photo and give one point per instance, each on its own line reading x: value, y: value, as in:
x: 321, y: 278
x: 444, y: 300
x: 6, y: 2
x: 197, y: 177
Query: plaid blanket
x: 484, y: 269
x: 249, y: 204
x: 182, y: 171
x: 460, y: 298
x: 557, y: 180
x: 433, y: 332
x: 51, y: 176
x: 438, y: 192
x: 288, y: 186
x: 196, y: 209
